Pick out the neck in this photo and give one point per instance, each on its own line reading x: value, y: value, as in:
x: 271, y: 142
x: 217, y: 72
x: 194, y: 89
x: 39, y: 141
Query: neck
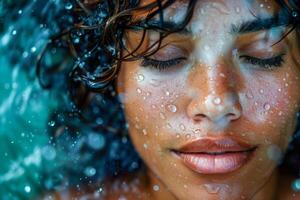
x: 157, y: 190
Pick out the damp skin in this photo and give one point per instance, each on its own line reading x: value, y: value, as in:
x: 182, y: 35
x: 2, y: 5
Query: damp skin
x: 213, y: 93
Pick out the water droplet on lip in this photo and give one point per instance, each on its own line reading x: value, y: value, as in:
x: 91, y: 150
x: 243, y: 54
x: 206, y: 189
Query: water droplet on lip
x: 172, y: 108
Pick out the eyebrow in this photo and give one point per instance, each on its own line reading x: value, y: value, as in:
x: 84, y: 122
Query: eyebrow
x: 260, y: 24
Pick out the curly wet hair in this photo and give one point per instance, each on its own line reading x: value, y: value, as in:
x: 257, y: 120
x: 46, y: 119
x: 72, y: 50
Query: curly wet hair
x: 83, y: 59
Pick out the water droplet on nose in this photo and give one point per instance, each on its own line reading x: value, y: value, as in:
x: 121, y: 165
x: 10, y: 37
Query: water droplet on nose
x: 162, y: 115
x: 140, y: 77
x: 267, y: 106
x: 217, y: 101
x: 182, y: 127
x: 172, y: 108
x: 212, y: 188
x: 249, y: 95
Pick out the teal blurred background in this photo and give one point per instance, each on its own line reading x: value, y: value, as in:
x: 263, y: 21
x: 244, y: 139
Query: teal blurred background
x: 26, y: 156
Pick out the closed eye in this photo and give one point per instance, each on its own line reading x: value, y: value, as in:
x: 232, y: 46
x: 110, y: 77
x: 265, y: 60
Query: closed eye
x: 265, y: 63
x: 162, y: 65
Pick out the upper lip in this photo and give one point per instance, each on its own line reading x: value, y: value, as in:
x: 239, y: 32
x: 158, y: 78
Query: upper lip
x: 215, y: 145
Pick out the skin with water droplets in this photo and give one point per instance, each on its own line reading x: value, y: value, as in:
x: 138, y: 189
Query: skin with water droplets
x: 245, y: 95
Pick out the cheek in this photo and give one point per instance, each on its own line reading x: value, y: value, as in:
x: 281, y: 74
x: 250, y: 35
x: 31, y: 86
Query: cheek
x: 270, y: 104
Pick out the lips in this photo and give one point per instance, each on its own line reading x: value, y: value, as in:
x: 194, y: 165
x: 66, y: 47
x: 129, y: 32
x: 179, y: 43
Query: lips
x: 215, y: 155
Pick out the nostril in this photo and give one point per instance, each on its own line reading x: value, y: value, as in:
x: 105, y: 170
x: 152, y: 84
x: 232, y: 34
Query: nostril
x: 232, y: 116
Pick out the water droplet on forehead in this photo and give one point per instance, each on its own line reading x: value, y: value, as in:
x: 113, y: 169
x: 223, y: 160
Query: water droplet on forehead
x: 238, y: 10
x: 172, y: 108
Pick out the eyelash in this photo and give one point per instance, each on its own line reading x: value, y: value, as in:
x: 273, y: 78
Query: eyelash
x: 267, y: 63
x: 161, y: 65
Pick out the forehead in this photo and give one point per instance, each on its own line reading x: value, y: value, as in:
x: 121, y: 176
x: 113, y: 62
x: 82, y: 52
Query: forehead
x: 213, y: 10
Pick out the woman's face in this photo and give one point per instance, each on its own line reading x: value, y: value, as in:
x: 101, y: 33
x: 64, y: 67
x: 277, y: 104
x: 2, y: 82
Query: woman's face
x: 212, y: 112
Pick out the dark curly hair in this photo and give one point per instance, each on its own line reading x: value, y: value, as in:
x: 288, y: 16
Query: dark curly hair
x: 83, y: 60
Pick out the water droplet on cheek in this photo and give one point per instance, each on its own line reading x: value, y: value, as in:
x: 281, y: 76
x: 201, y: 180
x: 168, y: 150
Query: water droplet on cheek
x: 267, y: 106
x: 249, y: 95
x: 182, y: 127
x: 172, y: 108
x: 162, y: 115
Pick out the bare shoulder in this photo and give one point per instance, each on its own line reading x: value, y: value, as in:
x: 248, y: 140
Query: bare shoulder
x: 286, y: 189
x: 121, y: 188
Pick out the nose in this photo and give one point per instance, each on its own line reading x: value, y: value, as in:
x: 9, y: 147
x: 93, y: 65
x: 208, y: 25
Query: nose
x: 215, y: 96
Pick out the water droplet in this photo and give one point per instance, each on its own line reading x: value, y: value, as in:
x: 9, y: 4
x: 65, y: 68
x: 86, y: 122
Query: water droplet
x: 156, y: 188
x: 140, y: 77
x: 177, y: 135
x: 153, y: 106
x: 280, y: 113
x: 167, y: 93
x: 249, y: 94
x: 51, y: 123
x: 217, y: 101
x: 27, y: 188
x: 212, y: 188
x: 145, y: 146
x: 139, y: 91
x: 267, y: 106
x: 14, y: 32
x: 182, y: 127
x: 33, y: 49
x: 148, y: 94
x: 197, y: 131
x: 68, y: 6
x: 237, y: 10
x: 296, y: 185
x: 154, y: 82
x: 162, y: 115
x: 187, y: 136
x: 90, y: 171
x: 144, y: 131
x: 172, y: 108
x: 169, y: 125
x: 261, y: 91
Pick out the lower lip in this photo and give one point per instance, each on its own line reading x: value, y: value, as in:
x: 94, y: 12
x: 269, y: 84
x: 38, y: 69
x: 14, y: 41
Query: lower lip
x: 215, y: 164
